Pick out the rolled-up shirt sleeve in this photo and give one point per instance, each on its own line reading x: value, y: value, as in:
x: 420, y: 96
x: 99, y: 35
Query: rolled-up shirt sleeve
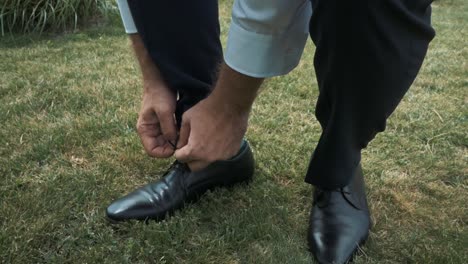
x: 266, y: 38
x: 126, y: 16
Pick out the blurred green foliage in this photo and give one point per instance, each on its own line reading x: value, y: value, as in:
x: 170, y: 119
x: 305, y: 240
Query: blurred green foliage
x: 37, y: 16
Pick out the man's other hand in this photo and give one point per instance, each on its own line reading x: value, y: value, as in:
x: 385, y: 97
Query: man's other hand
x: 213, y: 129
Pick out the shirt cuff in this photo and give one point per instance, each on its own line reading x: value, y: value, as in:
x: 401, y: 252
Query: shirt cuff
x: 126, y: 16
x: 263, y: 55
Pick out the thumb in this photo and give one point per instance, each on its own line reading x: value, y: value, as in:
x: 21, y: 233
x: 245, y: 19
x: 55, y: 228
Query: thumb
x: 184, y: 154
x: 184, y: 150
x: 184, y: 133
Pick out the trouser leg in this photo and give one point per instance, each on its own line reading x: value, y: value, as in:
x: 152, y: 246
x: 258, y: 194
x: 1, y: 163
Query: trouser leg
x: 368, y: 53
x: 182, y: 38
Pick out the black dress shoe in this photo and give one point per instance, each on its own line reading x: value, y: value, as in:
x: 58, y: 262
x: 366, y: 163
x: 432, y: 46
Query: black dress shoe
x: 339, y: 222
x: 179, y: 186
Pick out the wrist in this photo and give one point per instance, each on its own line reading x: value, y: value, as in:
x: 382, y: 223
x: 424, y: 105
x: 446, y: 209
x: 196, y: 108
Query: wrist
x: 230, y: 103
x: 152, y: 86
x: 235, y: 92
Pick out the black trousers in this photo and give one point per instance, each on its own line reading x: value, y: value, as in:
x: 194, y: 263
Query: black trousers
x: 368, y: 53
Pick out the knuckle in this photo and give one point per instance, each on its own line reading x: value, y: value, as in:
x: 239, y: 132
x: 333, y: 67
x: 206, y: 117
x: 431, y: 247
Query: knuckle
x: 164, y: 110
x: 148, y: 151
x: 189, y: 152
x: 140, y: 128
x: 139, y: 123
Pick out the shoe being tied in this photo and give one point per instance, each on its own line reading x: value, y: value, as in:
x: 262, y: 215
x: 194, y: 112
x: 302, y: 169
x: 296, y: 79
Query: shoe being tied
x: 339, y: 222
x: 180, y: 186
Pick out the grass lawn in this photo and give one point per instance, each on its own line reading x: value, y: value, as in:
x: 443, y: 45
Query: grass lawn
x: 68, y: 147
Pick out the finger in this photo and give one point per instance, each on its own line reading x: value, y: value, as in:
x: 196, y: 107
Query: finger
x: 197, y: 165
x: 184, y: 154
x: 184, y: 134
x: 163, y: 151
x: 149, y: 138
x: 168, y: 126
x: 153, y: 141
x: 147, y: 116
x: 156, y: 150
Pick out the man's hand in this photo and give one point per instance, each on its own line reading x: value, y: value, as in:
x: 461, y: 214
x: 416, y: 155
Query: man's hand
x: 210, y: 132
x: 213, y: 129
x: 156, y: 124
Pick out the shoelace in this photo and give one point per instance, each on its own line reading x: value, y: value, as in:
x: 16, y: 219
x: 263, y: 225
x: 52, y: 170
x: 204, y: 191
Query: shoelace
x: 321, y: 196
x: 174, y: 145
x: 175, y: 165
x: 339, y: 190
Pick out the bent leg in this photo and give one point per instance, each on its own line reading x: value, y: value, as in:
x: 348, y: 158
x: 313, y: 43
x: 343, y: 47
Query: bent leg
x: 368, y: 53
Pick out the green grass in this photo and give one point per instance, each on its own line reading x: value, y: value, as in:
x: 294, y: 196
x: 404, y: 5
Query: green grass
x: 28, y: 16
x: 68, y: 147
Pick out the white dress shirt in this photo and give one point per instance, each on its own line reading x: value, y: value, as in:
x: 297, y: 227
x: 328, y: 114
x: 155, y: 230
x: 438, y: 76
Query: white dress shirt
x: 266, y: 37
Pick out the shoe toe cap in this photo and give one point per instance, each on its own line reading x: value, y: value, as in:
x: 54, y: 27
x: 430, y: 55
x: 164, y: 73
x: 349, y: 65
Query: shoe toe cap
x: 331, y: 249
x: 115, y: 211
x: 132, y: 206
